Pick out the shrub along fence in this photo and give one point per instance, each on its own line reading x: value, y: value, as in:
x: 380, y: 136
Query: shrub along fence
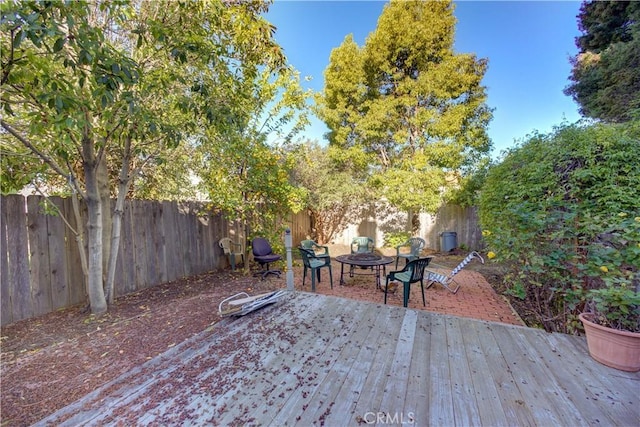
x: 40, y: 267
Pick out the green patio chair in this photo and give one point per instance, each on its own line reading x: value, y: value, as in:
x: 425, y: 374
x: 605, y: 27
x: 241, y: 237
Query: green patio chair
x: 318, y: 250
x: 314, y: 263
x: 411, y: 273
x: 362, y: 245
x: 410, y: 250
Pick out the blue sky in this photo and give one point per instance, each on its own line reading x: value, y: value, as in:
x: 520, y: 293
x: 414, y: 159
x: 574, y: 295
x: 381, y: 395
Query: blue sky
x: 527, y: 43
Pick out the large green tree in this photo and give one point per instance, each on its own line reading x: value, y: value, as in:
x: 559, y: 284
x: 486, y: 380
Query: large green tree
x: 606, y: 71
x: 96, y: 91
x: 405, y: 109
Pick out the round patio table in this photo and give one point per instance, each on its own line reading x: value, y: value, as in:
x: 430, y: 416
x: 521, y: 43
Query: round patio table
x: 375, y: 262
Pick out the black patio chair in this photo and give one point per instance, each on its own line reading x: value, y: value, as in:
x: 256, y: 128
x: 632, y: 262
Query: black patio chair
x: 263, y: 254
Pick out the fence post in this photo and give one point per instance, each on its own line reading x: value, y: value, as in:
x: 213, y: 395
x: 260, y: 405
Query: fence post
x: 287, y: 244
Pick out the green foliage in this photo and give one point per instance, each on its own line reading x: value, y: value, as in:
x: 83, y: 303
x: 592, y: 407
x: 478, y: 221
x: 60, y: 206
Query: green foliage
x: 333, y: 191
x: 606, y: 73
x: 616, y: 307
x: 391, y: 240
x: 562, y: 211
x: 249, y: 180
x: 470, y: 184
x: 405, y: 110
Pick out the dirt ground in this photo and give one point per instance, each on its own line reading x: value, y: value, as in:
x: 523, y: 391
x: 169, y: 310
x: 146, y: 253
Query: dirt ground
x: 51, y: 361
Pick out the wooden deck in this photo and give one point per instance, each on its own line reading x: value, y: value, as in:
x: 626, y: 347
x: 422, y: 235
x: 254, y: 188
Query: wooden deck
x: 318, y: 360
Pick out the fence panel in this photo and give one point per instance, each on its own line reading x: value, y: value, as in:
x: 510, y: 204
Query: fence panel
x: 172, y: 240
x: 56, y: 246
x: 126, y: 282
x: 379, y: 219
x: 19, y: 289
x: 40, y: 269
x: 6, y: 312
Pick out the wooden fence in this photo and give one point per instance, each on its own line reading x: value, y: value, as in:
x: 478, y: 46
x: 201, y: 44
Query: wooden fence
x: 379, y: 219
x: 40, y: 267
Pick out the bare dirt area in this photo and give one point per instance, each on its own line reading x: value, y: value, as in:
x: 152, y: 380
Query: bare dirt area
x: 51, y: 361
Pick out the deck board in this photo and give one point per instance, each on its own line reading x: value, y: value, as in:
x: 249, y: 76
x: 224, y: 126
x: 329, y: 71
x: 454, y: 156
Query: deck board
x: 469, y: 374
x: 381, y: 357
x: 354, y: 391
x: 440, y: 387
x: 318, y: 360
x: 507, y: 392
x: 325, y: 395
x: 417, y: 403
x: 544, y: 397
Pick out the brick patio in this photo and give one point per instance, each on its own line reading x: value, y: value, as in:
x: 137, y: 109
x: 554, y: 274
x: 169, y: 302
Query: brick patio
x: 476, y: 298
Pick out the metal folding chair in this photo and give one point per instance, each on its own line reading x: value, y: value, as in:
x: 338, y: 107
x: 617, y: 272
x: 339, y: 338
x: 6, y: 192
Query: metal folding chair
x: 447, y: 280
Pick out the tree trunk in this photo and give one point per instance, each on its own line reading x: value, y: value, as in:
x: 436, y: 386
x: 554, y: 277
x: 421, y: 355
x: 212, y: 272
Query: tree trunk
x: 102, y: 179
x: 123, y: 189
x: 79, y: 233
x: 94, y: 226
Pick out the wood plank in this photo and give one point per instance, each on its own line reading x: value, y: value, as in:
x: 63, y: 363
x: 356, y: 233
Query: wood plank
x: 40, y: 271
x: 133, y: 390
x: 379, y: 362
x: 18, y: 257
x: 395, y: 389
x: 563, y: 398
x: 417, y: 405
x: 60, y: 296
x: 150, y: 255
x: 347, y: 396
x: 481, y: 344
x: 266, y: 383
x: 329, y: 342
x: 440, y: 386
x: 538, y: 392
x: 586, y: 385
x: 140, y: 226
x: 6, y: 312
x: 76, y: 285
x: 127, y: 257
x: 160, y: 244
x: 172, y: 240
x: 465, y: 388
x: 574, y: 347
x: 249, y: 380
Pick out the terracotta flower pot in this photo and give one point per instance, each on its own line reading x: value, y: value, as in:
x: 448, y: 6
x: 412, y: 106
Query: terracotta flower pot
x: 611, y: 347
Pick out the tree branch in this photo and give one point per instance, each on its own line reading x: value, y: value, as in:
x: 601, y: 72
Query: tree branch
x: 48, y: 160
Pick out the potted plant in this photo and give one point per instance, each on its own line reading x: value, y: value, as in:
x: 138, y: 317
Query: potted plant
x: 612, y: 326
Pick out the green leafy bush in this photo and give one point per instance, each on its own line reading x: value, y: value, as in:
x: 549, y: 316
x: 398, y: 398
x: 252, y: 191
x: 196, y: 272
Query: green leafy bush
x: 393, y: 239
x: 562, y: 212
